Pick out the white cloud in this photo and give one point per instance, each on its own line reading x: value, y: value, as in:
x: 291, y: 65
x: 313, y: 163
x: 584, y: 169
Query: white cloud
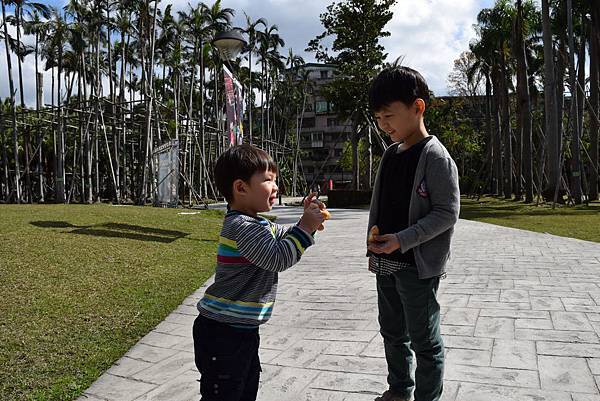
x: 28, y: 70
x: 430, y: 34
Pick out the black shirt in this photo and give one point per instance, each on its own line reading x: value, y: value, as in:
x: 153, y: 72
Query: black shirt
x: 397, y: 179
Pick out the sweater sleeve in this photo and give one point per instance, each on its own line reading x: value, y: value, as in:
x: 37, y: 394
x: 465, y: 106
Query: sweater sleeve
x: 262, y: 246
x: 444, y: 192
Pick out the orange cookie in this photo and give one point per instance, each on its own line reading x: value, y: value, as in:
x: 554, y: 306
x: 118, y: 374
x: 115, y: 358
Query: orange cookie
x: 374, y: 231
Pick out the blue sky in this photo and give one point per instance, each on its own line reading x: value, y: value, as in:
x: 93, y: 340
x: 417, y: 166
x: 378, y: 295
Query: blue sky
x: 428, y: 34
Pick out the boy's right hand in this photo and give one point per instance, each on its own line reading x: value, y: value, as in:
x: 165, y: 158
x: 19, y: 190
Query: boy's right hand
x: 312, y: 219
x: 312, y: 198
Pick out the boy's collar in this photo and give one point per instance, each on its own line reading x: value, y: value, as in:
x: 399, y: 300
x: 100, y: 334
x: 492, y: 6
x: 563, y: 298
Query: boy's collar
x: 234, y: 212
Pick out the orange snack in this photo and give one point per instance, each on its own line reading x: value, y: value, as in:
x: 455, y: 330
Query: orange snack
x: 374, y: 231
x: 326, y: 214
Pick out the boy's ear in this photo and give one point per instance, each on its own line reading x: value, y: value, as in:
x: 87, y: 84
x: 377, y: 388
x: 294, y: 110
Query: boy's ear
x: 239, y: 187
x: 420, y: 105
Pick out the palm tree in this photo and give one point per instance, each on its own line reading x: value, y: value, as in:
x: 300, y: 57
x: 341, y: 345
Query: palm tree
x: 125, y: 27
x: 58, y: 35
x: 482, y: 51
x: 575, y: 149
x: 551, y: 105
x: 11, y: 86
x: 37, y: 27
x: 21, y: 7
x: 270, y: 41
x: 494, y: 26
x: 524, y: 104
x: 594, y: 97
x: 251, y: 30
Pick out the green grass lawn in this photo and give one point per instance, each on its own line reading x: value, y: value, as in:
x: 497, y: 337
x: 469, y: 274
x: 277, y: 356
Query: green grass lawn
x: 81, y: 284
x: 582, y: 222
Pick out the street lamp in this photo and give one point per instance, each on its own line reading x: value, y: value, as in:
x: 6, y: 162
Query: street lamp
x: 229, y: 43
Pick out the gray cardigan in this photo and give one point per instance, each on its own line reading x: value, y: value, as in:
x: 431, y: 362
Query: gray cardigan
x: 433, y: 211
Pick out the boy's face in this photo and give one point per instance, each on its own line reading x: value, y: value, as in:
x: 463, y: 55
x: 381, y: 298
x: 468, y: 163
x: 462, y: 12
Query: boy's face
x: 399, y: 120
x: 258, y: 195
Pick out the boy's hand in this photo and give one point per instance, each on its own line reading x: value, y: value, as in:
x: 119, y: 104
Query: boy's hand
x: 312, y: 198
x: 312, y: 219
x: 386, y: 244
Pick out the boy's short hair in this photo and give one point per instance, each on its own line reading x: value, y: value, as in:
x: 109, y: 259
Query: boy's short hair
x: 397, y: 83
x: 240, y: 163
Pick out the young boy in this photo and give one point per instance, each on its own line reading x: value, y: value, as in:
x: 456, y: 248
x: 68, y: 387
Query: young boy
x: 415, y: 205
x: 251, y: 252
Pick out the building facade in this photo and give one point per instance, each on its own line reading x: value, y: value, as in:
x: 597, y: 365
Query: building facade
x: 323, y: 135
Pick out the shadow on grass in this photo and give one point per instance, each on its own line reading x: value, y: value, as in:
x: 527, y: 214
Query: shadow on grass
x: 117, y: 230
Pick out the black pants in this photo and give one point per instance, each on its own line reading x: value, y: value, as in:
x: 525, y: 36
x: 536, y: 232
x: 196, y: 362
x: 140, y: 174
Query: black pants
x: 227, y: 358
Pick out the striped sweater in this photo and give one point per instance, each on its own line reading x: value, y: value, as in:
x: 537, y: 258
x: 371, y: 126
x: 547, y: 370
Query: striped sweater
x: 251, y: 252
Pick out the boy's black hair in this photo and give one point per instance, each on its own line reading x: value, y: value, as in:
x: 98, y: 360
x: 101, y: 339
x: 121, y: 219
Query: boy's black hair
x: 240, y: 163
x: 397, y: 83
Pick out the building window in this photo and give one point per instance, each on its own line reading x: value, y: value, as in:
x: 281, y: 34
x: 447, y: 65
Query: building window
x: 321, y: 106
x: 316, y: 139
x: 308, y: 122
x: 332, y: 122
x: 324, y: 74
x: 309, y: 107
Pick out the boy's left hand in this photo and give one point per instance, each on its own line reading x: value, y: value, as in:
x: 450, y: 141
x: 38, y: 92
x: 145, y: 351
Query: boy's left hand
x: 386, y: 244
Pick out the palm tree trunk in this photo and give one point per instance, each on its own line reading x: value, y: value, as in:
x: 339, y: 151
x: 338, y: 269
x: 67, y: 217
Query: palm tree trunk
x: 26, y: 139
x: 60, y: 178
x: 122, y: 90
x: 594, y: 100
x: 203, y: 173
x: 113, y: 103
x: 98, y: 95
x: 262, y: 106
x: 490, y: 136
x: 575, y: 148
x: 87, y: 145
x: 186, y: 161
x: 5, y: 178
x: 81, y: 119
x: 524, y: 109
x: 550, y: 106
x: 11, y: 87
x: 250, y: 97
x: 506, y: 131
x: 498, y: 165
x: 581, y: 99
x: 149, y: 93
x: 39, y: 103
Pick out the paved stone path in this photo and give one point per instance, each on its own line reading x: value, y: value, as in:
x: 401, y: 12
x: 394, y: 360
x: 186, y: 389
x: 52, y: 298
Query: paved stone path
x: 521, y: 322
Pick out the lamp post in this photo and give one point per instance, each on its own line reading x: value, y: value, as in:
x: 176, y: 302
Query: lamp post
x: 230, y: 44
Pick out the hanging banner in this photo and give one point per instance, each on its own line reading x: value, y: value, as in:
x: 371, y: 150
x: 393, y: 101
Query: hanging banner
x: 234, y: 108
